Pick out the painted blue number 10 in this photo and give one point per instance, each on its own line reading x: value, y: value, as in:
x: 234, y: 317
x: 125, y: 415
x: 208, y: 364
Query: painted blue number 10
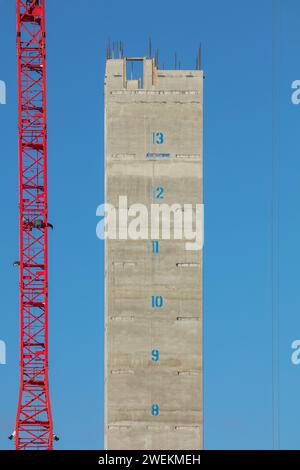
x: 157, y: 301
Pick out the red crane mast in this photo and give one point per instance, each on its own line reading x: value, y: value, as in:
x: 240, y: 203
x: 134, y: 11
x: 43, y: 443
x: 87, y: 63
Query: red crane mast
x: 34, y: 421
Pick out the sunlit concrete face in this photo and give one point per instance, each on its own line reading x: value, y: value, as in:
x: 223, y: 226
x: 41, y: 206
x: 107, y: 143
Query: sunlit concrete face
x: 153, y: 300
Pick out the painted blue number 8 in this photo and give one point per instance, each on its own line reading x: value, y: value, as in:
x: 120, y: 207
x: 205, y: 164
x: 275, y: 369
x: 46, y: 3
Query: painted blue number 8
x: 155, y: 410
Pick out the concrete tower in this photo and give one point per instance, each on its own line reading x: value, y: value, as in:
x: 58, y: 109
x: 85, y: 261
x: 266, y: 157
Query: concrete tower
x: 153, y: 288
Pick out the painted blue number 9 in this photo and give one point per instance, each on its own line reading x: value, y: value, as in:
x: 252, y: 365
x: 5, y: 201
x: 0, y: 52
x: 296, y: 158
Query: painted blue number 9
x: 155, y: 355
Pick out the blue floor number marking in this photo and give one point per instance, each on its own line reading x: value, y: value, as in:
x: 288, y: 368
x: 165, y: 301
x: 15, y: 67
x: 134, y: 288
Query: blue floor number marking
x: 158, y: 137
x: 155, y: 355
x: 159, y: 192
x: 155, y: 247
x: 157, y: 301
x: 155, y: 410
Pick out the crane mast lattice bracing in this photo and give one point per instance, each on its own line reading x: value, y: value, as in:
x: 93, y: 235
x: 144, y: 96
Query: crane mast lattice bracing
x: 34, y: 421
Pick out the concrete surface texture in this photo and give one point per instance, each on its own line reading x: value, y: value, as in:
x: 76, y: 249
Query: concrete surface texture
x: 153, y: 301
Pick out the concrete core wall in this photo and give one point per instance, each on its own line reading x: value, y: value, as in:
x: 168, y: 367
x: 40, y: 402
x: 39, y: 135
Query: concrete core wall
x: 149, y: 403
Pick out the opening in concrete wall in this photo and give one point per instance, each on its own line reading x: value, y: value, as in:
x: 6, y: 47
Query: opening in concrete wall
x: 135, y: 70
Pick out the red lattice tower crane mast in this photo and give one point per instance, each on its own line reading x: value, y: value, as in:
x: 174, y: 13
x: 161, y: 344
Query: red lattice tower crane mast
x: 34, y: 421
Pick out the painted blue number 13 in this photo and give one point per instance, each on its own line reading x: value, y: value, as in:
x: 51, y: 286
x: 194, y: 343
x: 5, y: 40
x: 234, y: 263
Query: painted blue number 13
x: 158, y: 137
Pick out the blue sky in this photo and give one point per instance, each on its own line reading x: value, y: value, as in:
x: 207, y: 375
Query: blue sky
x: 237, y: 58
